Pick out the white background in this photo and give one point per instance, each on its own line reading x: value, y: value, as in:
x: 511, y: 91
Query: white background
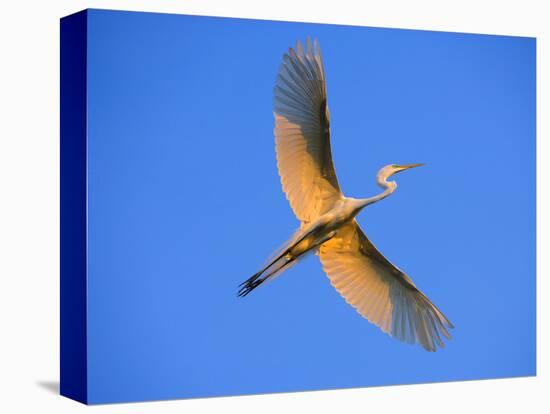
x: 29, y: 204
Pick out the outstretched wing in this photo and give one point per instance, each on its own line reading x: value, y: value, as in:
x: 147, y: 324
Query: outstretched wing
x: 302, y: 133
x: 379, y: 291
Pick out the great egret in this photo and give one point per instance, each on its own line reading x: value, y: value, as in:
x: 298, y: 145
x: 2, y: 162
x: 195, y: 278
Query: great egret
x: 377, y: 289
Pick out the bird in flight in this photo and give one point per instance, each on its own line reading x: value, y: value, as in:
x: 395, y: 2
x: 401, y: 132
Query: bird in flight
x: 377, y: 289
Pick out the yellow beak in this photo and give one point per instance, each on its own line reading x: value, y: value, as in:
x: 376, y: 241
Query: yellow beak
x: 407, y: 167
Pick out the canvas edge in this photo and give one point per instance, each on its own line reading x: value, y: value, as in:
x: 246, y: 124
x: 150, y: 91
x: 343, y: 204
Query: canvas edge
x: 73, y: 207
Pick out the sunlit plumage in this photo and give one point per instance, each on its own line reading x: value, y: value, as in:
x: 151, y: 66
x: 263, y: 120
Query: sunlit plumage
x: 378, y: 290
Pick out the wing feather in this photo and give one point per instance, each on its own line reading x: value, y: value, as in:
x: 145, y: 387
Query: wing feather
x: 302, y: 133
x: 379, y: 291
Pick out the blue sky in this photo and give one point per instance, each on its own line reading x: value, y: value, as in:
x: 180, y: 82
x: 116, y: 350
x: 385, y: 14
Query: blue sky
x: 185, y: 203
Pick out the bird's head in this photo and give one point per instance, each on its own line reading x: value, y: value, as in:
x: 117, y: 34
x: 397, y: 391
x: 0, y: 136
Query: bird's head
x: 389, y: 170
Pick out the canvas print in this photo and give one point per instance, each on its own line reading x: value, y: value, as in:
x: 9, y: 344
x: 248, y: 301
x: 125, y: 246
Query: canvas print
x: 257, y: 206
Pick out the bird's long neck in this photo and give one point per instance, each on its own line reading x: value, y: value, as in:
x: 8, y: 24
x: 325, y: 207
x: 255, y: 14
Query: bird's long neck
x: 389, y: 188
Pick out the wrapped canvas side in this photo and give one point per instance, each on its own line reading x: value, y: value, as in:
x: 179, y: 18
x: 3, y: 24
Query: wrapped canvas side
x: 73, y: 368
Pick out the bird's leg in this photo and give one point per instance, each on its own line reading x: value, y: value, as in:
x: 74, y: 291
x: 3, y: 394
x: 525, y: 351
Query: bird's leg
x: 285, y: 253
x: 249, y: 284
x: 283, y: 261
x: 255, y: 281
x: 326, y: 238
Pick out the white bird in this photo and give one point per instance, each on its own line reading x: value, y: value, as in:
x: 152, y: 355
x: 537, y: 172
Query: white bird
x: 378, y: 290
